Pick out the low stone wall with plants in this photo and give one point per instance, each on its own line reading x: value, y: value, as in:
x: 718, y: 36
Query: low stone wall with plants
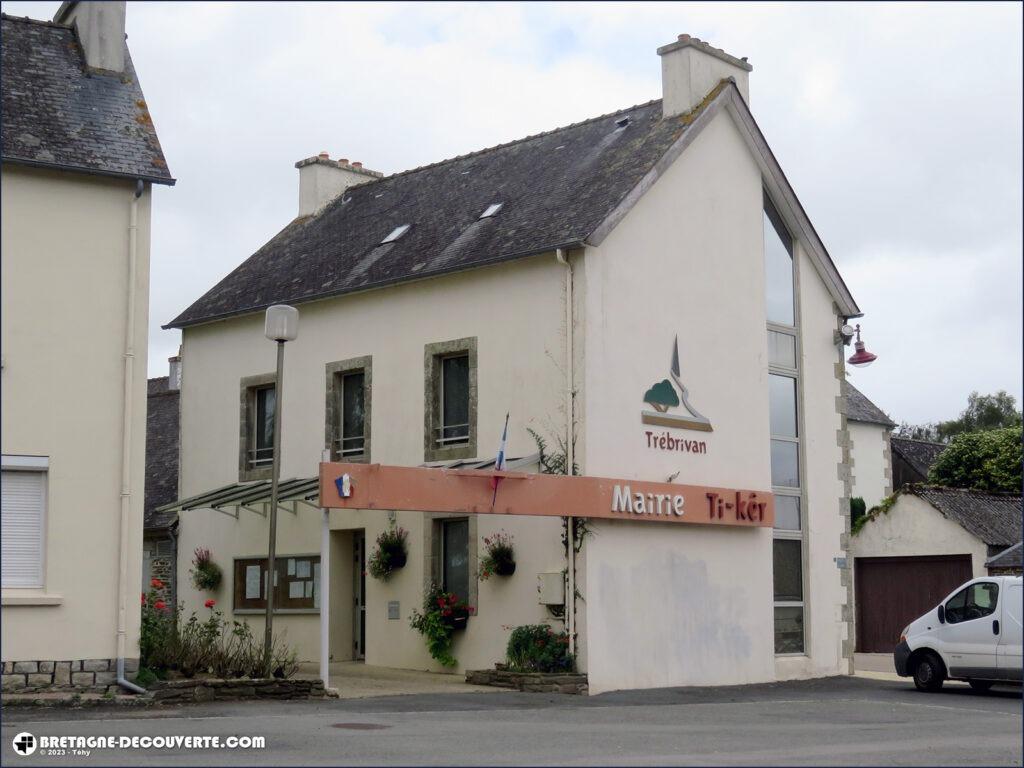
x: 213, y: 689
x: 534, y: 682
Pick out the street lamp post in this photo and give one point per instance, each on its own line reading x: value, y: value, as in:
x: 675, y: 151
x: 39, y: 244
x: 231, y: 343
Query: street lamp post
x: 282, y: 325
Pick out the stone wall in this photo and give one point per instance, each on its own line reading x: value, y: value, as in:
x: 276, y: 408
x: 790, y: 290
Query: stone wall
x: 86, y: 675
x: 210, y: 689
x: 534, y: 682
x: 160, y: 561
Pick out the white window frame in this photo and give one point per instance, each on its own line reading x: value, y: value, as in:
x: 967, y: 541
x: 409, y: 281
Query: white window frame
x: 801, y: 491
x: 41, y: 464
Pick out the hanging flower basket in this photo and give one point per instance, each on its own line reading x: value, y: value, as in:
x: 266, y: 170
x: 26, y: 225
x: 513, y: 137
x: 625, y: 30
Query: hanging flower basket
x: 499, y: 558
x: 390, y: 553
x: 206, y: 574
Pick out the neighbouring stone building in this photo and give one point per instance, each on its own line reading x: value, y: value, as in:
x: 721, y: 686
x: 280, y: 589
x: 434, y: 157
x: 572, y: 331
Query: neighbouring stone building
x: 79, y: 157
x: 870, y: 456
x: 913, y: 459
x: 160, y: 540
x: 641, y: 289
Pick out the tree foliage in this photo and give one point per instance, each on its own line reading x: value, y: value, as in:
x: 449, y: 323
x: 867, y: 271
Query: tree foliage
x: 983, y: 412
x: 987, y: 460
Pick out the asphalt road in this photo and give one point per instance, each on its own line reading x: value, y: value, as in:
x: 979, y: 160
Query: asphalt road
x: 835, y: 721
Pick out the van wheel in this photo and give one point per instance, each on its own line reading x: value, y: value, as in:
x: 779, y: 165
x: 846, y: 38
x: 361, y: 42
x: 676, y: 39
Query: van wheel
x: 980, y: 685
x: 928, y: 674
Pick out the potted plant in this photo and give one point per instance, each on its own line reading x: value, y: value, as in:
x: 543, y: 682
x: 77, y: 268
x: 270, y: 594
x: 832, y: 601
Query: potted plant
x: 499, y: 557
x: 443, y: 613
x: 389, y: 554
x: 206, y: 574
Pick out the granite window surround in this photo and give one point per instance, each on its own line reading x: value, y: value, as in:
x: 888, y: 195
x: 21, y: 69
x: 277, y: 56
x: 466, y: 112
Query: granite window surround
x: 433, y: 551
x: 333, y: 405
x: 248, y: 386
x: 433, y: 354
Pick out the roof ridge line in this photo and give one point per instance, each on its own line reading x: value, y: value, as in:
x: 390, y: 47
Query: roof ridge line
x: 973, y: 491
x: 503, y: 145
x: 30, y: 20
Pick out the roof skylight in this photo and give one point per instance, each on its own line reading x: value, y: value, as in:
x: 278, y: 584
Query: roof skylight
x: 492, y: 209
x: 622, y: 122
x: 396, y: 233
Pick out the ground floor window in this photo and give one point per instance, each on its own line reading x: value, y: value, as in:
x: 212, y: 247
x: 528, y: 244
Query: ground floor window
x: 455, y: 557
x: 23, y: 514
x: 787, y: 561
x: 296, y: 583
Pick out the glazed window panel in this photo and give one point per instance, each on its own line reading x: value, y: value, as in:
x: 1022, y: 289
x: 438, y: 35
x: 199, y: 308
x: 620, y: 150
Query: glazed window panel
x: 788, y: 570
x: 781, y: 349
x: 785, y: 463
x: 789, y: 629
x: 787, y: 513
x: 455, y: 557
x: 778, y: 267
x: 782, y: 405
x: 454, y: 427
x: 265, y: 403
x: 353, y: 415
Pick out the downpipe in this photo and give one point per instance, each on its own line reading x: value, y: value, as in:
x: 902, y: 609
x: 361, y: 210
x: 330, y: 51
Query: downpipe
x: 570, y: 608
x: 126, y: 443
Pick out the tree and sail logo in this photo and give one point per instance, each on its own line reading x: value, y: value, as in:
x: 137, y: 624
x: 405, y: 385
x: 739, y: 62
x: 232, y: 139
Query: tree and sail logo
x: 663, y: 396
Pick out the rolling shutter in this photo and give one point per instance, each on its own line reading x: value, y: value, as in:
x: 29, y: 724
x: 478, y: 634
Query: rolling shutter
x: 21, y: 538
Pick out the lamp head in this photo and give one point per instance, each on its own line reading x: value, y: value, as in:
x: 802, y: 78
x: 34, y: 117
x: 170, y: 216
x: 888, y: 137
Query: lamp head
x: 861, y: 358
x: 282, y: 323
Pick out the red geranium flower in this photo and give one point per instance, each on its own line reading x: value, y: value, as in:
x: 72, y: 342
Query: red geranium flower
x: 471, y: 609
x: 210, y: 603
x: 446, y: 612
x: 160, y: 605
x: 156, y: 584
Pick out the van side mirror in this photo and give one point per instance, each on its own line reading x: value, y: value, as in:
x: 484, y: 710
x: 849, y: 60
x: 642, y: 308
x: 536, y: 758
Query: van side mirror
x: 942, y: 614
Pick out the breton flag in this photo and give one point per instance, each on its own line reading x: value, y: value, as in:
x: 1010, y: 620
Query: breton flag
x: 499, y: 461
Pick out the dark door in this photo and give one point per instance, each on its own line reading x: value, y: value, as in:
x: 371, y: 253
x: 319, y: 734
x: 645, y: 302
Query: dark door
x: 359, y: 594
x: 893, y: 591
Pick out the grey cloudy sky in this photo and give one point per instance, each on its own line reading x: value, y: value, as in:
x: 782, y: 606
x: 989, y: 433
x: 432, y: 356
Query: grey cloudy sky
x: 899, y: 126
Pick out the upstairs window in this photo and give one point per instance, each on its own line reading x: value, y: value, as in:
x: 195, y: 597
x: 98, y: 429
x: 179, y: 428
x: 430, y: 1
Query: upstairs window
x: 265, y: 403
x: 347, y: 427
x: 450, y: 400
x: 778, y: 267
x: 256, y: 440
x: 454, y: 423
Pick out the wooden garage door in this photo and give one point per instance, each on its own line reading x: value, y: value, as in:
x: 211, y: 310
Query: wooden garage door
x: 893, y: 591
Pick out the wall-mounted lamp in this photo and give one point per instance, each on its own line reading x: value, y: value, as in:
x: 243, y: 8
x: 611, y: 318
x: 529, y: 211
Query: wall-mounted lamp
x: 845, y: 335
x: 861, y: 358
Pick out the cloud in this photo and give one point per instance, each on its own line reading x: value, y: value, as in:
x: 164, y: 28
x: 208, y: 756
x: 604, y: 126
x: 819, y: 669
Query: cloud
x: 899, y: 126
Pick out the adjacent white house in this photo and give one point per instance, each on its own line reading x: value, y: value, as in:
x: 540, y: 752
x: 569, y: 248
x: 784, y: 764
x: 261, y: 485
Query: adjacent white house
x: 643, y: 291
x: 870, y: 453
x: 910, y: 555
x: 80, y: 156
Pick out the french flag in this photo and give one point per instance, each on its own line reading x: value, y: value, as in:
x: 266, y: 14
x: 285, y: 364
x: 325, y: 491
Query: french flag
x: 499, y: 461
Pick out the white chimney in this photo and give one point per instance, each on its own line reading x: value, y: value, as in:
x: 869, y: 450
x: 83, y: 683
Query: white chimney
x: 321, y: 180
x: 690, y: 69
x: 174, y: 372
x: 100, y: 28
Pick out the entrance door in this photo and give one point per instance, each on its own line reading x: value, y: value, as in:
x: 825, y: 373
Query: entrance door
x: 1010, y: 635
x: 893, y: 591
x: 359, y: 594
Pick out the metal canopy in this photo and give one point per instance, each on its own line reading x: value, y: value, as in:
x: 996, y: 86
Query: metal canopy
x: 254, y: 497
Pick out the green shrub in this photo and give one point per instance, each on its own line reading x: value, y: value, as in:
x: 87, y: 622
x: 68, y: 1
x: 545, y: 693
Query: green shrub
x: 440, y: 609
x: 984, y: 461
x: 857, y: 511
x: 538, y: 648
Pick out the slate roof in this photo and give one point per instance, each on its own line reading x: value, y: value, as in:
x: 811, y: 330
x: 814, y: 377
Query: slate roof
x: 919, y: 454
x: 1008, y: 558
x: 161, y: 454
x: 859, y: 408
x: 57, y: 113
x: 994, y: 518
x: 555, y: 187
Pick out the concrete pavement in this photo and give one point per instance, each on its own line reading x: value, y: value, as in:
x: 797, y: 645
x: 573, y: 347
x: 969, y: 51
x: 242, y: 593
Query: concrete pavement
x: 835, y: 721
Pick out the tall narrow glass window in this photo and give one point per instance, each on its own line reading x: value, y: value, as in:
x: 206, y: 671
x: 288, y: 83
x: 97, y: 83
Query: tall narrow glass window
x: 353, y: 414
x: 454, y: 396
x: 778, y: 267
x: 455, y: 557
x: 263, y: 426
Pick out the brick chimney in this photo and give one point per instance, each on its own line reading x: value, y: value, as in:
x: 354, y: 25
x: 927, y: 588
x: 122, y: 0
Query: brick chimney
x: 321, y: 180
x: 100, y: 28
x: 690, y: 68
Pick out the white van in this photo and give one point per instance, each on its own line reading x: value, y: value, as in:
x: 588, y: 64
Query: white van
x: 973, y: 635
